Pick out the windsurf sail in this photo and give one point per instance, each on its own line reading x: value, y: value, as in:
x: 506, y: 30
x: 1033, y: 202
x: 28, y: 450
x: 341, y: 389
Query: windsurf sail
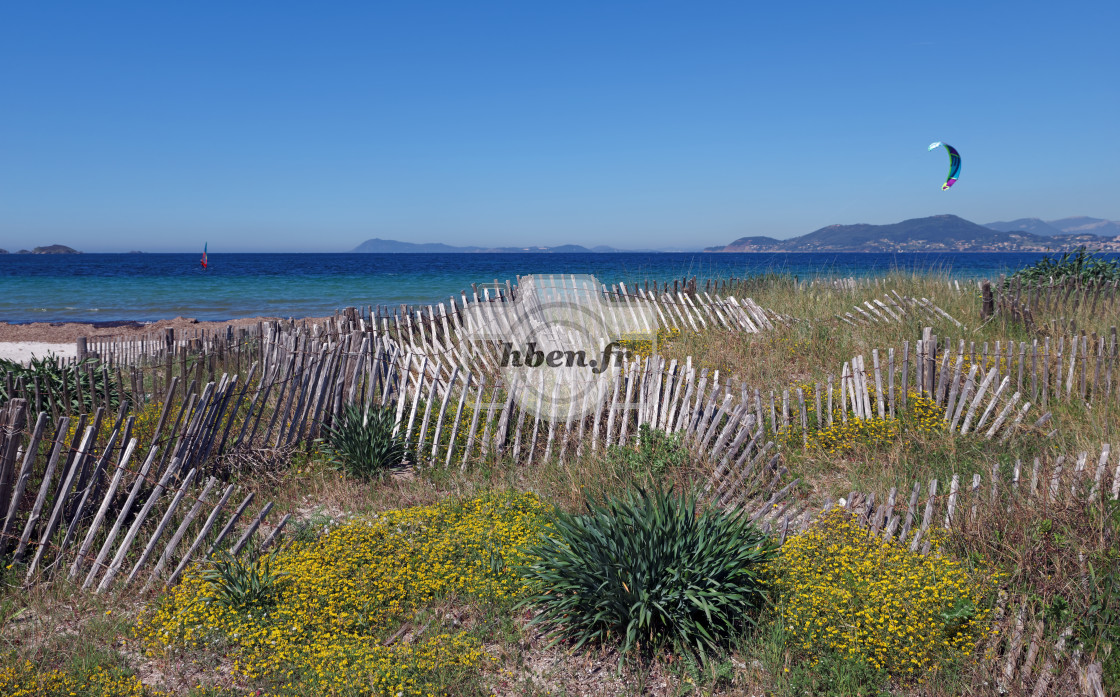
x: 204, y: 245
x: 954, y: 164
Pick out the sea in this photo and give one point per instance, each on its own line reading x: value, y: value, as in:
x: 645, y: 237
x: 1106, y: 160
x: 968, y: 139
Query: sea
x: 112, y: 288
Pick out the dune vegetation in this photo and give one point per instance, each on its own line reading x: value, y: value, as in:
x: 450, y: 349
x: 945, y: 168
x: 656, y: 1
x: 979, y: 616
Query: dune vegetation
x: 612, y: 569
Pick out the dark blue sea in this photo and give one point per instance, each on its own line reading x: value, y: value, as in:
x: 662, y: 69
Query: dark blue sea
x: 148, y: 287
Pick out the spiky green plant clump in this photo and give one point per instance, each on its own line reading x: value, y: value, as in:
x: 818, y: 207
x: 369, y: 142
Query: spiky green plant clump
x: 364, y: 444
x: 84, y: 384
x: 243, y: 582
x: 648, y: 570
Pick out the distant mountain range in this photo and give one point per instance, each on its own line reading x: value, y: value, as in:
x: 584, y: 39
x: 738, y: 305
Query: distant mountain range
x: 380, y: 246
x: 944, y: 233
x: 935, y: 233
x: 1065, y: 226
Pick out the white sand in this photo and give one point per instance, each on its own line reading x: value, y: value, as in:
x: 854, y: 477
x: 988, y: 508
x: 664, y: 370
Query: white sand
x: 22, y: 351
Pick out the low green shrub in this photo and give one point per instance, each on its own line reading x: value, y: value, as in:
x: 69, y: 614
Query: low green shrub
x: 364, y: 445
x: 309, y: 529
x: 649, y: 570
x: 1082, y: 266
x: 332, y: 629
x: 654, y: 453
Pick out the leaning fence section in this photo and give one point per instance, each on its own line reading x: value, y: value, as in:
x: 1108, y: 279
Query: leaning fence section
x: 114, y: 514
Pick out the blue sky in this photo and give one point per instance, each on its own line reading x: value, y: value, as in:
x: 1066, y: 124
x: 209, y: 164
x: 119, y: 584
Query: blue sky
x: 286, y: 126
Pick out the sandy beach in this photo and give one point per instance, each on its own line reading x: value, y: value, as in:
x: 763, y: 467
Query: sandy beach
x: 24, y: 351
x: 19, y: 342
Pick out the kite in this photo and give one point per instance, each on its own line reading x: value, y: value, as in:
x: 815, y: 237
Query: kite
x: 954, y: 164
x: 204, y: 244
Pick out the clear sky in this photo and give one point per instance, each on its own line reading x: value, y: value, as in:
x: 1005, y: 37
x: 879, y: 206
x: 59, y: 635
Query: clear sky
x: 283, y: 126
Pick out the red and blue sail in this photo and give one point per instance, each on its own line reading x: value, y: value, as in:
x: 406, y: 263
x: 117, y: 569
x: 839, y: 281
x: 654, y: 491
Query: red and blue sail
x: 204, y: 245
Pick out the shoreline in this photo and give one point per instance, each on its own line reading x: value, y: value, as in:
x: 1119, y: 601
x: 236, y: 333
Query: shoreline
x: 61, y: 333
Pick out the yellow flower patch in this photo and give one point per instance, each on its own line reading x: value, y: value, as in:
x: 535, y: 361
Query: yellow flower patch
x: 341, y: 596
x: 641, y: 346
x: 25, y: 679
x: 922, y: 416
x: 144, y: 424
x: 488, y: 420
x: 849, y: 594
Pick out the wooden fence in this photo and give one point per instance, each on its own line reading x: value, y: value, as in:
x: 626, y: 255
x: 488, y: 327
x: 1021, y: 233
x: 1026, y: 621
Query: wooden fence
x: 440, y: 326
x: 450, y: 415
x: 854, y: 284
x: 952, y: 372
x: 1020, y: 301
x: 105, y: 518
x: 896, y: 309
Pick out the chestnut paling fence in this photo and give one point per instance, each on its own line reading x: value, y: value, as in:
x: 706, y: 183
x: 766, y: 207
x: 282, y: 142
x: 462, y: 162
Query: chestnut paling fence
x: 81, y: 495
x: 67, y: 489
x: 895, y: 308
x: 1018, y: 300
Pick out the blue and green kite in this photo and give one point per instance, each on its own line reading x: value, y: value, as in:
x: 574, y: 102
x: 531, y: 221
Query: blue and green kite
x: 954, y: 164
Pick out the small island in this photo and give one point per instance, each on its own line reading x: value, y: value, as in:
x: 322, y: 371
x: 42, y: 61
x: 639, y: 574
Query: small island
x: 49, y: 249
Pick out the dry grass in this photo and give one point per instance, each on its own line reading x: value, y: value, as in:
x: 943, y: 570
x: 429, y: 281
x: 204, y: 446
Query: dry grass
x: 815, y: 348
x: 60, y: 626
x: 816, y: 345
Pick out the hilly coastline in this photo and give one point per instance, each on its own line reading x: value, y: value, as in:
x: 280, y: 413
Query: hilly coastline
x: 940, y: 233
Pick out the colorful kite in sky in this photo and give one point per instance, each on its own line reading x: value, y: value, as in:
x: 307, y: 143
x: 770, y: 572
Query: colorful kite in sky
x: 954, y: 164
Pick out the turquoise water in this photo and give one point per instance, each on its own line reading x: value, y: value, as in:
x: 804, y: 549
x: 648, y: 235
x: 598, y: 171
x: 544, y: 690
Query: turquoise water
x: 148, y: 287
